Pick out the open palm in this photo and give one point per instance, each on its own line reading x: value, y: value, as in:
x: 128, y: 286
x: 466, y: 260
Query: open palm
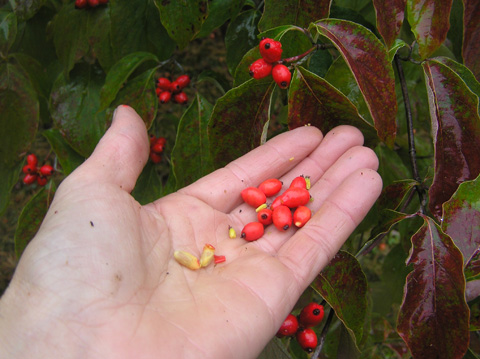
x: 99, y: 278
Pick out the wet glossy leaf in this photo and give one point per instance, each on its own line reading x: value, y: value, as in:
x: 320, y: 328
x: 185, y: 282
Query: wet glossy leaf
x: 241, y: 36
x: 191, y: 158
x: 8, y: 30
x: 369, y: 62
x: 74, y: 107
x: 433, y: 318
x: 312, y: 100
x: 429, y: 21
x: 148, y: 187
x: 343, y: 285
x: 32, y: 216
x: 390, y: 14
x: 461, y: 218
x: 119, y: 73
x: 456, y: 131
x: 68, y: 158
x: 471, y: 23
x: 238, y: 120
x: 182, y: 19
x: 293, y: 12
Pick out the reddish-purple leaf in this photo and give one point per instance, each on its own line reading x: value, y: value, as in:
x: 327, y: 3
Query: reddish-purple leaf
x: 471, y: 36
x: 312, y: 100
x: 456, y: 131
x: 434, y: 316
x: 390, y: 14
x: 344, y: 286
x: 461, y: 218
x: 394, y: 194
x: 368, y: 59
x: 429, y: 21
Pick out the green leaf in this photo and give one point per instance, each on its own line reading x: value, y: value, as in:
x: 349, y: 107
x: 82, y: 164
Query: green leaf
x: 219, y: 12
x: 434, y: 316
x: 312, y: 100
x: 26, y: 9
x: 471, y: 23
x: 343, y: 285
x: 395, y: 193
x: 182, y: 19
x: 149, y: 185
x: 32, y: 216
x: 274, y: 350
x: 8, y: 31
x: 456, y: 132
x: 293, y: 12
x: 370, y: 64
x: 74, y: 107
x: 191, y: 158
x: 429, y: 22
x: 238, y: 121
x: 119, y: 74
x: 390, y: 14
x: 68, y: 158
x: 216, y: 78
x: 8, y: 179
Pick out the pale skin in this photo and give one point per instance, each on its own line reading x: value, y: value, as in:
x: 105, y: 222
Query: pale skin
x: 99, y: 279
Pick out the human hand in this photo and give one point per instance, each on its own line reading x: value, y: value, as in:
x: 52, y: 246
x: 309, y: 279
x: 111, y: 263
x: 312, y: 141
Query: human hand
x: 99, y: 279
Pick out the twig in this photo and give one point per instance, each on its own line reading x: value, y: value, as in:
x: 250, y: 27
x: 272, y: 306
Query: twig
x: 323, y: 334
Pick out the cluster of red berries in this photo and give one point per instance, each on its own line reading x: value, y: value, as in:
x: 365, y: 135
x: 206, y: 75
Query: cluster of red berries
x: 167, y: 89
x: 286, y: 209
x: 82, y: 4
x: 33, y: 172
x: 157, y: 145
x: 270, y: 63
x: 301, y: 326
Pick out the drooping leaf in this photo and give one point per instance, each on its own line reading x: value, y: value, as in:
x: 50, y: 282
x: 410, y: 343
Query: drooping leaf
x: 74, y: 107
x: 238, y: 120
x: 433, y: 319
x: 32, y: 216
x: 68, y: 158
x: 26, y: 9
x: 191, y: 158
x: 241, y: 36
x: 219, y: 12
x: 293, y: 12
x: 369, y: 62
x: 119, y: 73
x: 390, y: 14
x: 429, y: 21
x: 471, y: 23
x: 182, y: 19
x: 394, y: 194
x: 312, y: 100
x: 343, y: 285
x: 456, y: 132
x: 461, y: 218
x: 148, y: 187
x: 462, y: 71
x: 388, y: 218
x: 8, y: 30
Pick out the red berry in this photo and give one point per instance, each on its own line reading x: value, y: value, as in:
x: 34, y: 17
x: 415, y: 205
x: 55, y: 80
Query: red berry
x: 281, y: 75
x: 252, y: 231
x: 157, y: 147
x: 307, y: 339
x: 181, y: 98
x: 29, y: 169
x: 253, y: 196
x: 288, y: 327
x: 155, y: 157
x: 260, y: 69
x: 311, y: 315
x: 46, y: 170
x: 183, y: 81
x: 295, y: 197
x: 164, y: 96
x: 298, y: 182
x: 264, y: 216
x: 41, y: 180
x: 270, y: 187
x: 270, y: 50
x: 282, y: 217
x: 80, y: 4
x: 32, y: 159
x: 29, y: 178
x: 93, y: 3
x: 161, y: 140
x: 163, y: 84
x: 301, y: 216
x: 276, y: 202
x: 175, y: 87
x: 152, y: 139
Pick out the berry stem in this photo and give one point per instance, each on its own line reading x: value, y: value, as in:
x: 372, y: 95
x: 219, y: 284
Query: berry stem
x: 306, y: 53
x: 323, y: 334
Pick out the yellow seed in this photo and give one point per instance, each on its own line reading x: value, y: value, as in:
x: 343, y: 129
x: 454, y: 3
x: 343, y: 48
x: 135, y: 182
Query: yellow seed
x: 187, y: 259
x: 291, y: 158
x: 207, y: 255
x: 231, y: 233
x: 307, y: 181
x: 262, y: 206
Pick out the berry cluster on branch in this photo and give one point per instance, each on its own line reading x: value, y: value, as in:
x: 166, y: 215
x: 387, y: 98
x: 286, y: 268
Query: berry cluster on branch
x: 166, y: 89
x: 89, y: 4
x: 35, y: 173
x: 157, y: 145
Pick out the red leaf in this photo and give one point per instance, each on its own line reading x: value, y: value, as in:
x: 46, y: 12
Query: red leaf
x: 370, y: 64
x: 456, y: 129
x: 471, y: 35
x: 434, y: 316
x: 390, y: 14
x: 430, y: 21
